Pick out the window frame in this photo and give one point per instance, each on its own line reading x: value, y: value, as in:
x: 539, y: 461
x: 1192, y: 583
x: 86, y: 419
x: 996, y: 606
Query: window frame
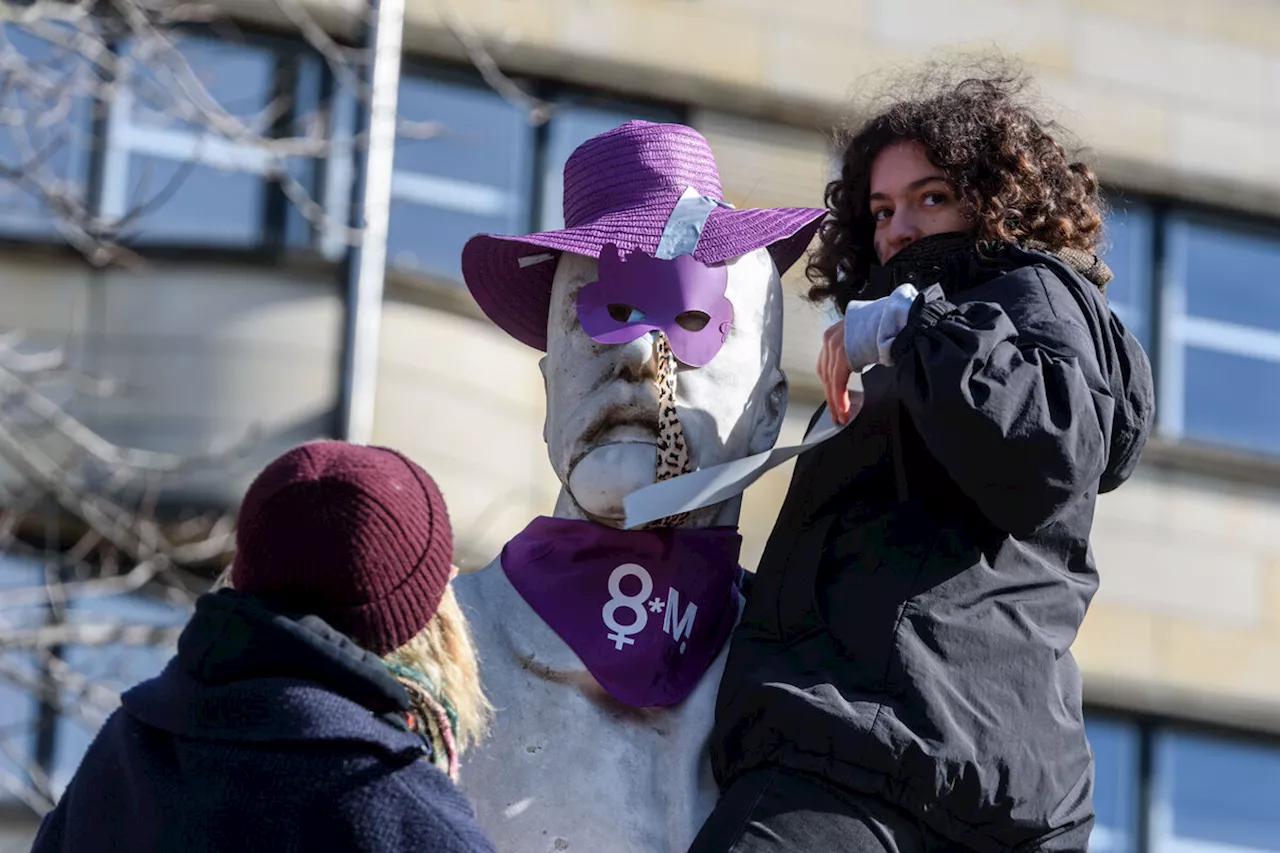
x: 120, y: 139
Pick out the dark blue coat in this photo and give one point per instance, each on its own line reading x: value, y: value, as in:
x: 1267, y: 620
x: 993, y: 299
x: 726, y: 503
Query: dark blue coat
x: 265, y: 732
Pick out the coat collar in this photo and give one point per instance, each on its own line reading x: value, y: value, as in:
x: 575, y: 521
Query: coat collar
x: 247, y: 672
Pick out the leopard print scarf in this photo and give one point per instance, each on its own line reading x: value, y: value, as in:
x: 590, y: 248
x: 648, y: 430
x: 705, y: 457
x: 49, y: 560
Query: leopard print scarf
x: 673, y: 451
x: 672, y: 456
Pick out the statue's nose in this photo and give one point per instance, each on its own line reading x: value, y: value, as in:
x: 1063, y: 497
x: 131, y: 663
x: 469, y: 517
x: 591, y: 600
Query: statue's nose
x: 636, y: 361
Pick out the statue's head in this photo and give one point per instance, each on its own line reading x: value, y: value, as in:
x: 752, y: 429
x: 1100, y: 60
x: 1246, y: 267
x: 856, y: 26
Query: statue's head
x: 656, y: 289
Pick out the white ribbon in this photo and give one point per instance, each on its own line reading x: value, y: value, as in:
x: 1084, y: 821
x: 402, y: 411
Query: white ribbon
x: 708, y: 486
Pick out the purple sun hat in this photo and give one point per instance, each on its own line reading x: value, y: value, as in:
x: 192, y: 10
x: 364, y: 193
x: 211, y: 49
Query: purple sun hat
x: 622, y: 187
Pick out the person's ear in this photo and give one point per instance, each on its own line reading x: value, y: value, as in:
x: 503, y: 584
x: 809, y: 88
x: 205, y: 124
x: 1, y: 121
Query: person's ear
x: 769, y: 415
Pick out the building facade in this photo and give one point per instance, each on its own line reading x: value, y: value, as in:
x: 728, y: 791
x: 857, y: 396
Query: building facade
x: 235, y: 320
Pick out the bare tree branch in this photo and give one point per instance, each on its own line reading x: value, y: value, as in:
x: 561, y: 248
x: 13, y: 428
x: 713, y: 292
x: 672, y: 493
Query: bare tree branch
x: 128, y: 56
x: 539, y: 111
x: 58, y: 474
x: 88, y: 634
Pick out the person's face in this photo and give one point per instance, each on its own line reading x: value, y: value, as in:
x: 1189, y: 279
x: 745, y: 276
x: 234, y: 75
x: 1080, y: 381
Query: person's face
x: 910, y: 198
x: 602, y: 401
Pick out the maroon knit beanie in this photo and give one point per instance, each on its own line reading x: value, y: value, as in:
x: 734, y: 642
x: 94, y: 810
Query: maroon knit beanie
x: 358, y: 536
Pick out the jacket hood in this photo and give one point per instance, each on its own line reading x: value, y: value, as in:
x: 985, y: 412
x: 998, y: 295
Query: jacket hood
x: 1120, y: 355
x: 247, y: 672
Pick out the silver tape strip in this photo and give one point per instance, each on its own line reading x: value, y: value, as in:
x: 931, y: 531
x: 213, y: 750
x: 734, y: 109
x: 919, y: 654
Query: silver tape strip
x: 684, y: 226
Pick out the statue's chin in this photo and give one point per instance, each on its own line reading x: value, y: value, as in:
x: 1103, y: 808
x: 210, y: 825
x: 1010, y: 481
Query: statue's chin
x: 608, y: 473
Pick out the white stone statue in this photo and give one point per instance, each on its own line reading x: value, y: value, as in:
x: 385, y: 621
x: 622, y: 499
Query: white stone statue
x: 601, y: 649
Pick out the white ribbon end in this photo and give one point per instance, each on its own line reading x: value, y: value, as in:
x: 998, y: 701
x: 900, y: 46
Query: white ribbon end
x: 534, y: 260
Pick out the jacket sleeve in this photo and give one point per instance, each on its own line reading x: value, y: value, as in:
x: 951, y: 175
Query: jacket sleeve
x: 1006, y: 408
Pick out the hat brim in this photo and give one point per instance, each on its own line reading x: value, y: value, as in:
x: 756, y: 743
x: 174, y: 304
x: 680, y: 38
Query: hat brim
x: 517, y: 298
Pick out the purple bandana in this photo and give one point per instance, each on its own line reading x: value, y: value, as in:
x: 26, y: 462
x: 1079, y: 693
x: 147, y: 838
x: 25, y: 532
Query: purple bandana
x: 646, y: 610
x: 637, y: 294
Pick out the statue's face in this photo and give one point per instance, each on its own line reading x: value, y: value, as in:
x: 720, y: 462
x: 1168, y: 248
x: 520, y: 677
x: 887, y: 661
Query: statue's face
x: 602, y: 401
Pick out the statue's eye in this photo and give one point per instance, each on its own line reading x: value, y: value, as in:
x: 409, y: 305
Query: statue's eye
x: 693, y: 321
x: 624, y: 313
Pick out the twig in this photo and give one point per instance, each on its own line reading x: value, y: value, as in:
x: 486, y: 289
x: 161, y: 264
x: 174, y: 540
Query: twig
x: 88, y: 634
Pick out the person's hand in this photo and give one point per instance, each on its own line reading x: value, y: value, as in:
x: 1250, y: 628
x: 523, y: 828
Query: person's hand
x: 862, y: 339
x: 834, y: 371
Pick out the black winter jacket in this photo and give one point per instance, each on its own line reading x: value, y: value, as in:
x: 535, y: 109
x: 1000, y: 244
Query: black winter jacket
x: 908, y: 633
x: 264, y: 733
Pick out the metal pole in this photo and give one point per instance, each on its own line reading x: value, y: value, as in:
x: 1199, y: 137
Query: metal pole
x: 366, y: 263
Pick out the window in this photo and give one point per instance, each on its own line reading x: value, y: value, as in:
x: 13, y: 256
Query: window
x: 574, y: 122
x: 1115, y: 744
x: 113, y: 666
x: 1210, y: 319
x: 1220, y: 347
x: 17, y: 671
x: 185, y: 168
x: 463, y: 165
x: 1215, y: 795
x: 116, y: 667
x: 184, y: 162
x: 45, y: 127
x: 1128, y: 253
x: 1204, y: 793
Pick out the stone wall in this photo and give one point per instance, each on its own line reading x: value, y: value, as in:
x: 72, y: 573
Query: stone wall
x: 1173, y: 95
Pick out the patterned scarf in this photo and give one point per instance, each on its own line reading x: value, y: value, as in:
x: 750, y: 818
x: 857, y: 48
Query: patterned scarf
x: 432, y: 717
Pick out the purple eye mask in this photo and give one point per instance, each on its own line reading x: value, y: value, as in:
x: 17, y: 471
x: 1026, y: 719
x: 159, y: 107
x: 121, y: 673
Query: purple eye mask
x: 637, y: 294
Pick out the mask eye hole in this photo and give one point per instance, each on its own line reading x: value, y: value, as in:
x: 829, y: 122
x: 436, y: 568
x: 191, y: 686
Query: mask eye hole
x: 624, y: 313
x: 693, y: 321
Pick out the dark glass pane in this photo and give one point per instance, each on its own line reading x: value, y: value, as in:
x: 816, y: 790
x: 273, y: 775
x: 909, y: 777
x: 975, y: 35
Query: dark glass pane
x: 429, y: 240
x: 1231, y: 274
x: 18, y: 670
x: 45, y: 128
x: 1115, y: 746
x: 1232, y: 399
x: 472, y: 175
x: 1219, y: 791
x: 211, y: 76
x: 473, y: 134
x: 116, y: 667
x: 192, y: 203
x: 1128, y: 253
x: 572, y: 125
x: 17, y: 725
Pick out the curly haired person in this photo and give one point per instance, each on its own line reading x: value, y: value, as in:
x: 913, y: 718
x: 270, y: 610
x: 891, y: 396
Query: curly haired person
x: 902, y: 678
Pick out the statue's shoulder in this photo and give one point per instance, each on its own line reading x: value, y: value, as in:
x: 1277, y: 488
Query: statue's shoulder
x: 482, y: 590
x: 501, y: 618
x: 495, y: 609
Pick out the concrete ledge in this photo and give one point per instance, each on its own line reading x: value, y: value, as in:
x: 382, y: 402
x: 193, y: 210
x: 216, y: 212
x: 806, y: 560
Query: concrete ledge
x: 1214, y: 462
x: 1175, y: 704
